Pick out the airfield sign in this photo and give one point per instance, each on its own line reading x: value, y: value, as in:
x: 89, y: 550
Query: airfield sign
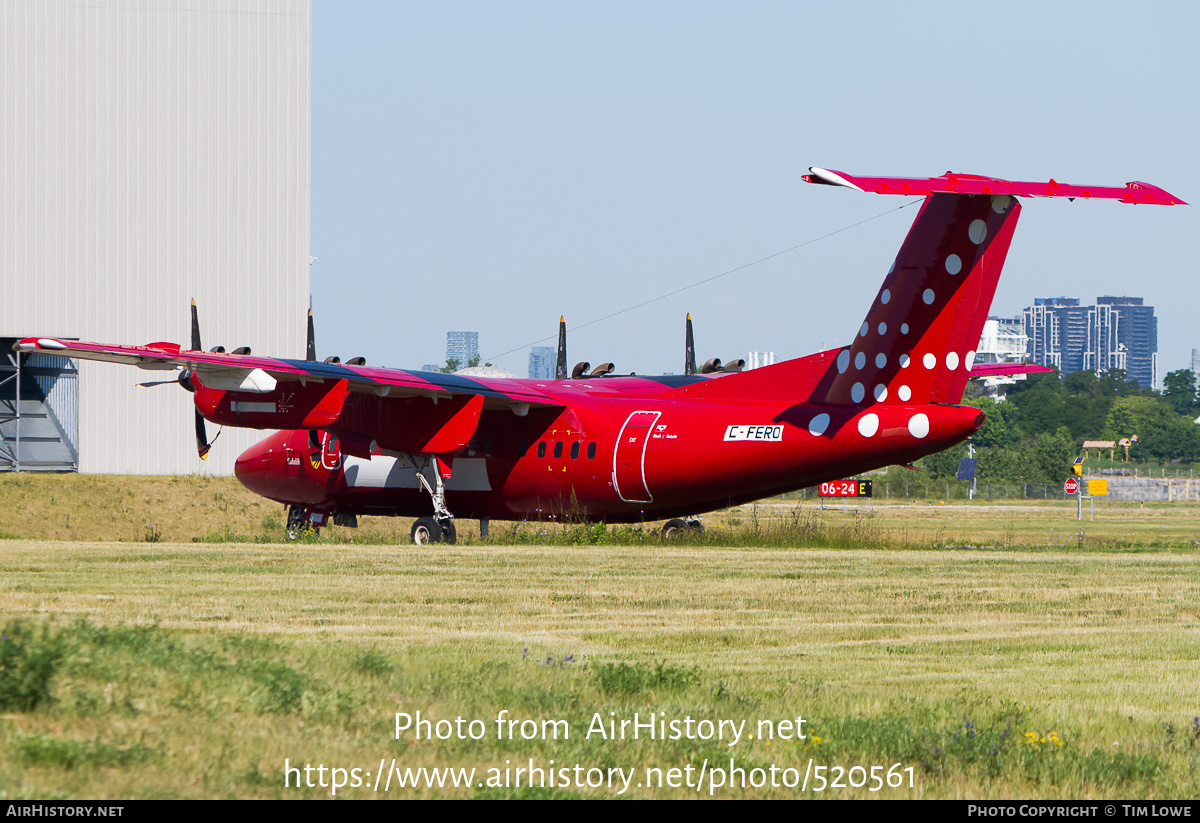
x: 1071, y: 486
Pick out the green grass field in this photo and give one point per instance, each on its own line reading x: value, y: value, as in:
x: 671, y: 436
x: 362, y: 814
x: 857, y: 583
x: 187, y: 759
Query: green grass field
x: 1035, y: 664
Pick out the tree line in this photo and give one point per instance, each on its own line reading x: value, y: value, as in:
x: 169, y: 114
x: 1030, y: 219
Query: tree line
x: 1037, y: 431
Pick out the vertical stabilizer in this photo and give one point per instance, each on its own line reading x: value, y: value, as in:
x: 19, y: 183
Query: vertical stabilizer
x: 917, y: 343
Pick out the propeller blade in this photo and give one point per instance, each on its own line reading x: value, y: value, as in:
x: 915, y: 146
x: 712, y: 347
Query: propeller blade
x: 202, y: 444
x: 155, y: 383
x: 560, y: 367
x: 196, y: 346
x: 310, y: 350
x: 689, y: 349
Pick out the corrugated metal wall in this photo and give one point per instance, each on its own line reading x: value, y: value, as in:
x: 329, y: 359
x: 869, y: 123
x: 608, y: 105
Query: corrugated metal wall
x: 152, y: 151
x: 62, y: 394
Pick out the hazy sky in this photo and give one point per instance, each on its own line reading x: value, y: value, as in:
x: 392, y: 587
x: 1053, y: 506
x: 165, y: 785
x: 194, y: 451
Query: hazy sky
x: 490, y: 166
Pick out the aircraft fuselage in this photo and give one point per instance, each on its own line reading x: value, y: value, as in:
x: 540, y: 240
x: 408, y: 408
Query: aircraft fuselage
x: 624, y: 457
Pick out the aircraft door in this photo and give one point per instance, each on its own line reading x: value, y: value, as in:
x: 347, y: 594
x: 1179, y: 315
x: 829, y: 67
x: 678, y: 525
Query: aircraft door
x: 327, y: 457
x: 330, y: 456
x: 629, y: 457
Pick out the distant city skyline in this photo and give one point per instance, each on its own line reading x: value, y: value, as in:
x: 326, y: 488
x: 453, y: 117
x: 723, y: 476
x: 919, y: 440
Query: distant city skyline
x: 1113, y: 333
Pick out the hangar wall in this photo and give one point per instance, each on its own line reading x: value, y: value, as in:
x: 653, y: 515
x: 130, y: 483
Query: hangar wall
x: 152, y: 151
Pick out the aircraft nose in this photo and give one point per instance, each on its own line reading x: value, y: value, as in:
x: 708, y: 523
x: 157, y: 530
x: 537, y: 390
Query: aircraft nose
x: 253, y: 467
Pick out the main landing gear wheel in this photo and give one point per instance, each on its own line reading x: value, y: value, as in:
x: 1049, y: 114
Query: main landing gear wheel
x: 449, y: 533
x: 674, y: 529
x: 426, y: 530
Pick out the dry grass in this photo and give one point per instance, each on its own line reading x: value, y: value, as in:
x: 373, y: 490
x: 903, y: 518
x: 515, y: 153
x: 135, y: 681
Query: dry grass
x: 887, y: 652
x: 196, y: 508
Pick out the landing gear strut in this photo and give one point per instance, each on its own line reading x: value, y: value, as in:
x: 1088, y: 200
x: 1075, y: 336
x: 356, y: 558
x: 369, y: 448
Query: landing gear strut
x: 680, y: 527
x: 440, y: 527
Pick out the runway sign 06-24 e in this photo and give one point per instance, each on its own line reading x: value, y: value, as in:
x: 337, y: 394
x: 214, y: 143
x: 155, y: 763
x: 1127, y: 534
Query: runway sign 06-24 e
x: 846, y: 488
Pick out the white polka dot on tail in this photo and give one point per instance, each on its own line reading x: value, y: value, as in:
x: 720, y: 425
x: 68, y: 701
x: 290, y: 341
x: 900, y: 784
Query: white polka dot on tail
x: 918, y: 426
x: 868, y: 424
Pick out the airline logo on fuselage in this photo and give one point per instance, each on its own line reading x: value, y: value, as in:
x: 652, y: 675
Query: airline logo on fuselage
x: 771, y: 433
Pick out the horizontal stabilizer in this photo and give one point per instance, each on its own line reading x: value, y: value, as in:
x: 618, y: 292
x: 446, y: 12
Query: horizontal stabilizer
x: 950, y: 183
x: 999, y: 369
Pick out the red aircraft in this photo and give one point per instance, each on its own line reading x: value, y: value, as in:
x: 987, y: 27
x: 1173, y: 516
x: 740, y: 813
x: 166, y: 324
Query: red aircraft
x: 375, y: 441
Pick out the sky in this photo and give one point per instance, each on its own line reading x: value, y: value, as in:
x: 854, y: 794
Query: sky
x: 491, y: 166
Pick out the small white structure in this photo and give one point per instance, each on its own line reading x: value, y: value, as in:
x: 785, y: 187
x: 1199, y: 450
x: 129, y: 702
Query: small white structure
x: 1003, y: 341
x: 484, y: 371
x: 760, y: 358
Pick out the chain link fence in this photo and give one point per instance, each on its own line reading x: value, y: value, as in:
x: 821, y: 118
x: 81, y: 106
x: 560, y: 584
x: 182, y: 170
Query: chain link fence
x: 956, y: 490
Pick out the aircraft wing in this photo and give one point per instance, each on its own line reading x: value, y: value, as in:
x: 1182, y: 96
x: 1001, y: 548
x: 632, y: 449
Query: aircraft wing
x: 260, y: 375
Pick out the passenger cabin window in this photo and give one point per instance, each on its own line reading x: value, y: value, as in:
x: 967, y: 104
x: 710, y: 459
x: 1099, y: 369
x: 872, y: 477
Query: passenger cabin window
x: 558, y: 449
x: 591, y: 452
x: 575, y: 450
x: 541, y: 448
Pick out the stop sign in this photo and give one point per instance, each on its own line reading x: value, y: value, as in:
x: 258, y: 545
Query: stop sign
x: 1071, y: 486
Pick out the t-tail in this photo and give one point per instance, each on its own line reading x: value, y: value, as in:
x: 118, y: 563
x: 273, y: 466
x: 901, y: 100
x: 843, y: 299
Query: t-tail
x: 917, y: 342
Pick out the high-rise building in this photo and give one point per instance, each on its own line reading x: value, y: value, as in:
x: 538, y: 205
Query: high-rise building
x: 1196, y: 366
x: 1057, y: 331
x: 1116, y: 333
x: 541, y: 362
x: 462, y: 346
x: 1137, y: 335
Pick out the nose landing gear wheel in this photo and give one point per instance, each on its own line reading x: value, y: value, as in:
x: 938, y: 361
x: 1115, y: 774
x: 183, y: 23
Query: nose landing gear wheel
x: 426, y: 530
x: 295, y: 522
